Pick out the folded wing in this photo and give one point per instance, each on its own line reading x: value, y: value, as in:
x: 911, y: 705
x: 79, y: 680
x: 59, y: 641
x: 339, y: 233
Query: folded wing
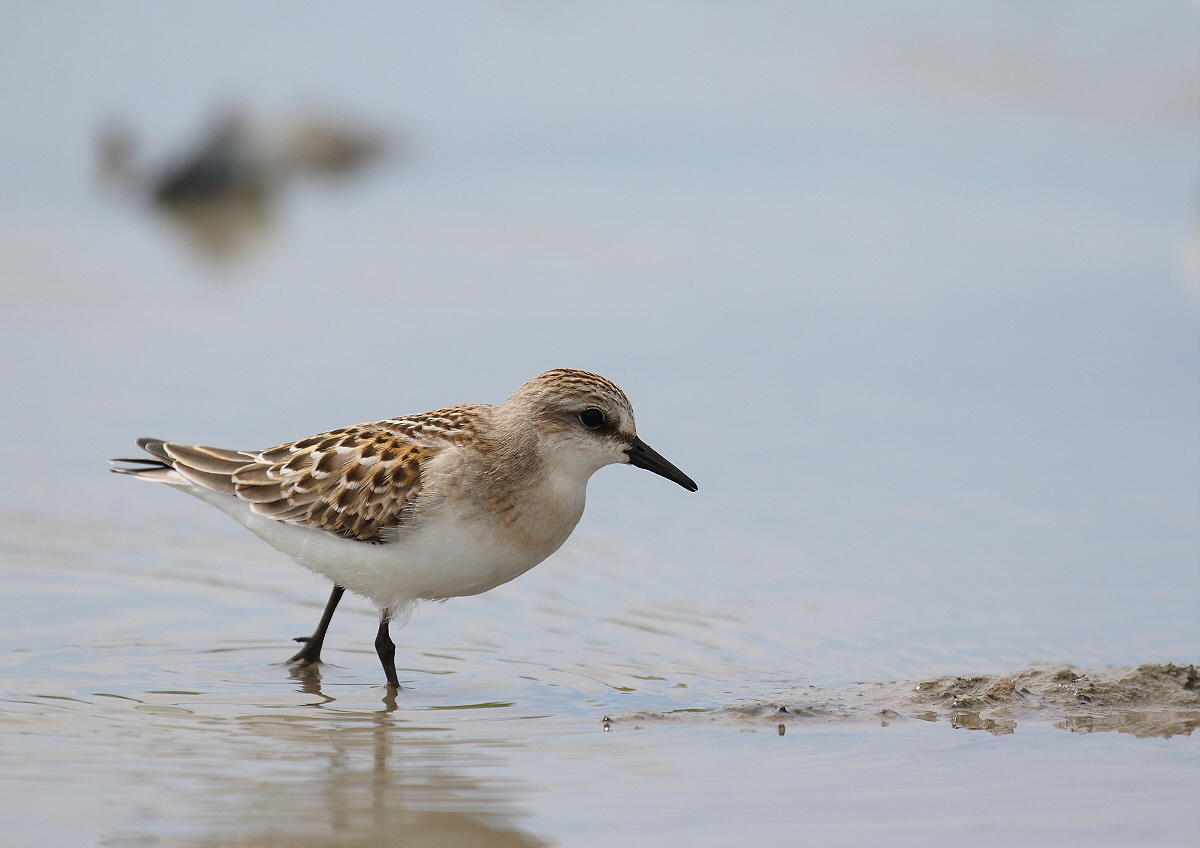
x: 357, y: 482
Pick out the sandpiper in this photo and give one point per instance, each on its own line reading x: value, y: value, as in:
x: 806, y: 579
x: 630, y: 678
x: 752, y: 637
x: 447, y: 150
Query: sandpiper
x: 424, y: 507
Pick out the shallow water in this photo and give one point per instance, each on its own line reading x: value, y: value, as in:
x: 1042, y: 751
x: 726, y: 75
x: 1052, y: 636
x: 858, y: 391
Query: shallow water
x: 911, y: 293
x: 156, y: 704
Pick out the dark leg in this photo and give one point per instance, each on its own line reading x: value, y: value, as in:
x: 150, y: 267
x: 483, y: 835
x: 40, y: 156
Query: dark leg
x: 311, y: 652
x: 386, y: 648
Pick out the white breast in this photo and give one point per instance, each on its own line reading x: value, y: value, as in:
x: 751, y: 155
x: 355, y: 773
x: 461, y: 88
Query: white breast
x: 451, y: 552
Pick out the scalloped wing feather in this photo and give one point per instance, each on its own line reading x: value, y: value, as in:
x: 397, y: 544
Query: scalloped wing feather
x: 357, y: 482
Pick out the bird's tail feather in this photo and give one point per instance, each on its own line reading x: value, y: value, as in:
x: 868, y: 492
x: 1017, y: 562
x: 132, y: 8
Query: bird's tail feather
x: 159, y: 469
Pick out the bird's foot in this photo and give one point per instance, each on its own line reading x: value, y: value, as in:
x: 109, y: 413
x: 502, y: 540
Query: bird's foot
x: 310, y: 654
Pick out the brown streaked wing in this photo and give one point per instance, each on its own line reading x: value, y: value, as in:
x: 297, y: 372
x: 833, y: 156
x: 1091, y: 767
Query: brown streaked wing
x: 355, y: 482
x: 450, y: 426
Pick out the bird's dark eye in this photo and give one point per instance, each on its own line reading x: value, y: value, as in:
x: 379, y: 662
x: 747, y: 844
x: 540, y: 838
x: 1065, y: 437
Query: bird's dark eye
x: 592, y: 418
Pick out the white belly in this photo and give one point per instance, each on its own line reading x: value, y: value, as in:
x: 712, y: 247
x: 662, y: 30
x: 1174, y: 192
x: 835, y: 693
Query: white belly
x: 446, y: 556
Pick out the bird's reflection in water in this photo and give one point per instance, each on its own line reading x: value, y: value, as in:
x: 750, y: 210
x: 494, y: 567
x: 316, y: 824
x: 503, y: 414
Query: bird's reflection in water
x: 329, y: 777
x: 309, y: 678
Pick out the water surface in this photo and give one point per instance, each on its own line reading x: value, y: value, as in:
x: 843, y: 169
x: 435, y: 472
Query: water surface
x: 910, y: 291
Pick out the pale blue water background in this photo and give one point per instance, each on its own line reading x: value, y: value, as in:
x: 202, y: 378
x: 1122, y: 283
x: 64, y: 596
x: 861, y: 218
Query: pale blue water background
x: 911, y: 290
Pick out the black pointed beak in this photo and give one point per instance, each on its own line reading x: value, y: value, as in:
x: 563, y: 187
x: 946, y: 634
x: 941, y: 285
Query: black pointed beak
x: 644, y: 456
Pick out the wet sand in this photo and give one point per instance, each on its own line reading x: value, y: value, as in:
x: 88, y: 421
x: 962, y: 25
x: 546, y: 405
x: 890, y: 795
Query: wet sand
x: 1150, y: 701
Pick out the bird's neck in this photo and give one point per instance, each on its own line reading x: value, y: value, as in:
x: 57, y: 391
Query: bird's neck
x: 532, y: 488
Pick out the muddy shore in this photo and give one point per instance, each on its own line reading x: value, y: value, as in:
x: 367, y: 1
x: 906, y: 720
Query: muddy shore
x: 1151, y: 700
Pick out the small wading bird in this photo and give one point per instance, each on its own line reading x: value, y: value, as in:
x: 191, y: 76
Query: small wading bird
x: 424, y: 507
